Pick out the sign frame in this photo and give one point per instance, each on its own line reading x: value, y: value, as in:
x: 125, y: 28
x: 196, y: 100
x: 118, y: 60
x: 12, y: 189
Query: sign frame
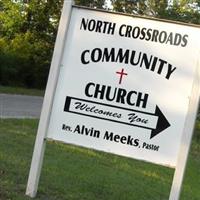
x: 40, y: 142
x: 186, y: 138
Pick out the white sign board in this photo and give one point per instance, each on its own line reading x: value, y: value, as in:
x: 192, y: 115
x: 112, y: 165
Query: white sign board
x: 124, y: 85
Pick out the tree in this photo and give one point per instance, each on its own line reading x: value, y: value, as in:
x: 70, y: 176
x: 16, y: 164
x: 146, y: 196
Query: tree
x: 11, y: 18
x: 91, y: 3
x: 28, y: 30
x: 179, y: 10
x: 129, y: 6
x: 185, y: 10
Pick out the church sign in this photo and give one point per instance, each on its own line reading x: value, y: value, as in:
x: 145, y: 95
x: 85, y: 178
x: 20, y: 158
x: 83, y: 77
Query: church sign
x: 125, y: 86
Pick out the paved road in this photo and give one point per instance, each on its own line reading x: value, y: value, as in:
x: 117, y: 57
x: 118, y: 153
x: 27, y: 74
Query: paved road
x: 20, y: 106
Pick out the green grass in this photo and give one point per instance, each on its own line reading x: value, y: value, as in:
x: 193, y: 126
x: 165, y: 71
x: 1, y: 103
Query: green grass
x: 19, y: 90
x: 74, y: 173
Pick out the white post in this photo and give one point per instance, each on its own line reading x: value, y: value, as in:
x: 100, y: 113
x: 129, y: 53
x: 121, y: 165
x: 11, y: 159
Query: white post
x: 39, y: 147
x: 186, y: 139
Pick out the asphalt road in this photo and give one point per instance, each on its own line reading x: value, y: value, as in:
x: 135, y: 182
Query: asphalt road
x: 20, y: 106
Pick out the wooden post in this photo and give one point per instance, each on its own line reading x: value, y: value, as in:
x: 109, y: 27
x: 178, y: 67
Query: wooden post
x: 38, y: 153
x: 186, y: 138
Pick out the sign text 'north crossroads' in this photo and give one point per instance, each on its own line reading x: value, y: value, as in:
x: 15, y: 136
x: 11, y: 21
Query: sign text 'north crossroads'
x: 124, y: 82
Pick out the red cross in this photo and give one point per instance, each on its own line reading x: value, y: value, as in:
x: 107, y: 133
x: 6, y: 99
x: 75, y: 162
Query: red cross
x: 121, y: 75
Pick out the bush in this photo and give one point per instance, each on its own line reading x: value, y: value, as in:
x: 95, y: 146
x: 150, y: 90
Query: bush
x: 25, y: 61
x: 197, y: 130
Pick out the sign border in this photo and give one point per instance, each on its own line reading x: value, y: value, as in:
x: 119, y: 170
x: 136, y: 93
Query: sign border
x: 139, y: 16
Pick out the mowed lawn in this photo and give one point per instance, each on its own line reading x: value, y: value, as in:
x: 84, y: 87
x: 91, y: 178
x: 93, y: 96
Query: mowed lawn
x: 74, y: 173
x: 20, y: 90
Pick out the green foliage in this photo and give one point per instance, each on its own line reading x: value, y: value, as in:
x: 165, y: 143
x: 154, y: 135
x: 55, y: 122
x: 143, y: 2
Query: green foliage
x: 25, y: 61
x: 28, y: 30
x: 27, y: 35
x: 11, y: 19
x: 185, y: 10
x: 197, y: 130
x: 180, y: 10
x: 129, y: 6
x: 90, y: 3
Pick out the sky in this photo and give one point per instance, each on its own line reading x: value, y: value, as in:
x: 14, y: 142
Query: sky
x: 108, y: 3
